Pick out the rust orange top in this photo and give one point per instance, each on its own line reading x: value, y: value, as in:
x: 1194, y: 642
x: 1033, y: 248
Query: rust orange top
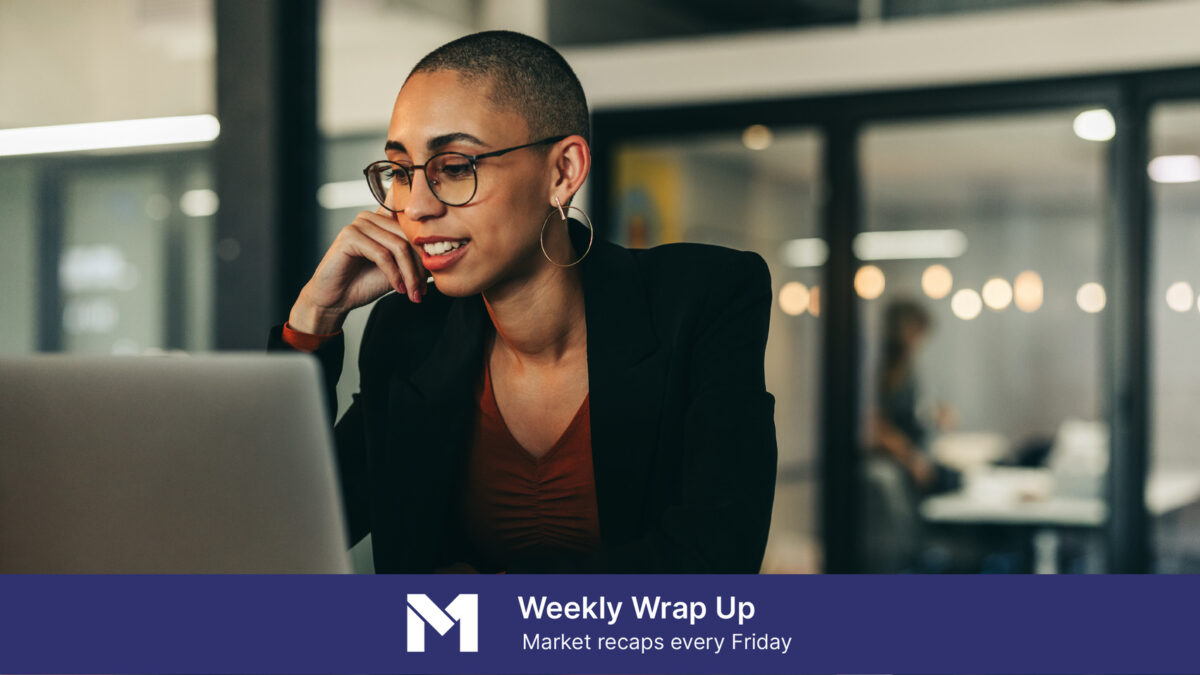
x: 517, y: 506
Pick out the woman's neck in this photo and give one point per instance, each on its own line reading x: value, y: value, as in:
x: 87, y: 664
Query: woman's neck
x: 539, y: 320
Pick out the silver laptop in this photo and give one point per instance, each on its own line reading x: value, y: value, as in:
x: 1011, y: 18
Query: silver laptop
x: 178, y: 464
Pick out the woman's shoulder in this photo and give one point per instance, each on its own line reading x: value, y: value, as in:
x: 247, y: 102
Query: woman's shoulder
x: 692, y: 268
x: 691, y: 287
x: 693, y: 254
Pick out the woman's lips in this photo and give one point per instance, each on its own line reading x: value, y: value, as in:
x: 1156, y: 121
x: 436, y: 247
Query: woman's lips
x: 434, y: 263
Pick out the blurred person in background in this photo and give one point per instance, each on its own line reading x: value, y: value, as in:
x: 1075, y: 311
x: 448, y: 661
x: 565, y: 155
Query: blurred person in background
x: 899, y: 469
x: 898, y: 428
x: 551, y: 402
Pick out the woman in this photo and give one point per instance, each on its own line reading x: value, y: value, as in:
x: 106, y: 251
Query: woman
x: 901, y: 471
x: 899, y: 430
x: 550, y: 402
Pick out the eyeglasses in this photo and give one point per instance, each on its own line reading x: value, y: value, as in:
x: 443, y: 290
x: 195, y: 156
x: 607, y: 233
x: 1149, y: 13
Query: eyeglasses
x: 451, y: 176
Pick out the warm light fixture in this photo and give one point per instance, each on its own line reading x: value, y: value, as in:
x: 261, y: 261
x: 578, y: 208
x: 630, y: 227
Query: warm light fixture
x: 997, y: 294
x: 793, y: 298
x: 757, y: 137
x: 966, y: 304
x: 869, y: 282
x: 108, y: 135
x: 1179, y: 296
x: 1028, y: 291
x: 937, y: 281
x: 1090, y: 297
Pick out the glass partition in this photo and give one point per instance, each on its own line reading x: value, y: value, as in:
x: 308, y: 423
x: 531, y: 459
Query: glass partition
x: 981, y: 290
x: 1173, y: 482
x: 756, y: 189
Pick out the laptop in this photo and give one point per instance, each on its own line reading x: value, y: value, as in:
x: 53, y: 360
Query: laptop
x: 219, y: 463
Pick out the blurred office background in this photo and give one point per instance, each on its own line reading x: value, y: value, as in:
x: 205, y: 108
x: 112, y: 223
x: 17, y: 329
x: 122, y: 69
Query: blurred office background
x: 982, y: 220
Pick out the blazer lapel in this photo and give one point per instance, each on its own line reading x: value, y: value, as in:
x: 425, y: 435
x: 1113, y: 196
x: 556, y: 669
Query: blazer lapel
x: 430, y: 422
x: 438, y: 394
x: 626, y: 380
x: 457, y: 355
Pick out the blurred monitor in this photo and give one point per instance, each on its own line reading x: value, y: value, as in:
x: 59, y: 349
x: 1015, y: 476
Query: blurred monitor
x: 203, y: 464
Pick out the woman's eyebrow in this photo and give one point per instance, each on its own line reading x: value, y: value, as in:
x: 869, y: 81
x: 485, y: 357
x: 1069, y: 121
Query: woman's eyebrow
x: 437, y: 142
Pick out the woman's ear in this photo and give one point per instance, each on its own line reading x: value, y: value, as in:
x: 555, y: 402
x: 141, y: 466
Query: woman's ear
x: 572, y: 161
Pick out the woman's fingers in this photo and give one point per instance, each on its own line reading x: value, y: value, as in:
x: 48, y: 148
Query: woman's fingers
x: 387, y: 233
x: 387, y: 223
x: 358, y: 243
x: 389, y: 219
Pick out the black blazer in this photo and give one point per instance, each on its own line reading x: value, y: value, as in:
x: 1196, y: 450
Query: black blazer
x: 682, y: 426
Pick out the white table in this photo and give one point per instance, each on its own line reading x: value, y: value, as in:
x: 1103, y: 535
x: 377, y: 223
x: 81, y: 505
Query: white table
x: 1025, y: 497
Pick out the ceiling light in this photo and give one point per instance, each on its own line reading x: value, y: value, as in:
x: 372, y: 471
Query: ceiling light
x: 108, y: 135
x: 1174, y: 169
x: 1095, y: 125
x: 910, y: 244
x: 811, y: 252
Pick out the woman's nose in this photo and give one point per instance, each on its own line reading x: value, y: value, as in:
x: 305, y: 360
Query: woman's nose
x: 422, y: 202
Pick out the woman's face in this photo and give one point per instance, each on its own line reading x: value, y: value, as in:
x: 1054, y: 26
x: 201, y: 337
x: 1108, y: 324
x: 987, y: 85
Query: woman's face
x: 914, y: 336
x: 498, y: 229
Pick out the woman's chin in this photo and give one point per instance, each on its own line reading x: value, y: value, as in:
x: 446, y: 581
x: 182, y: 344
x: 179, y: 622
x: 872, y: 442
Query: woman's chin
x: 453, y: 287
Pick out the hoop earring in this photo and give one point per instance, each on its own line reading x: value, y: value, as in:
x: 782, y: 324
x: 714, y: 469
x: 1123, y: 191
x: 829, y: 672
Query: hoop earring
x: 563, y: 215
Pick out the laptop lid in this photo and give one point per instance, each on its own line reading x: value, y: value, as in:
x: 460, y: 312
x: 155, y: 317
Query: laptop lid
x: 216, y: 463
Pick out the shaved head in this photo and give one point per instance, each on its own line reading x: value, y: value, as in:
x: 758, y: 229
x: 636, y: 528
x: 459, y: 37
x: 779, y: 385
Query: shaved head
x: 522, y: 74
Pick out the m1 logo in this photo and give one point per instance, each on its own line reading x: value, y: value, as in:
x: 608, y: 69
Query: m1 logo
x: 463, y: 610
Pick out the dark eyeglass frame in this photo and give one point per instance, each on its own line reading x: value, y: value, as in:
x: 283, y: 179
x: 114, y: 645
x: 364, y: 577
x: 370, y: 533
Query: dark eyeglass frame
x: 472, y: 159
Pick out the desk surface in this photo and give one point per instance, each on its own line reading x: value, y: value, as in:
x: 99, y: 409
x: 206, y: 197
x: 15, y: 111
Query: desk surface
x: 1164, y: 493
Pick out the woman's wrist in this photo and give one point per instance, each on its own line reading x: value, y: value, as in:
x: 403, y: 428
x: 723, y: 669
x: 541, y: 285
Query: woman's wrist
x: 312, y: 319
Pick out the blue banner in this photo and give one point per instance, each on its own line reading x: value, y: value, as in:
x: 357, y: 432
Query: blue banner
x: 598, y: 624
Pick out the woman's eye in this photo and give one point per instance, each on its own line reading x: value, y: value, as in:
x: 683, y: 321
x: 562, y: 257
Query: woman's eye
x: 399, y: 175
x: 456, y: 171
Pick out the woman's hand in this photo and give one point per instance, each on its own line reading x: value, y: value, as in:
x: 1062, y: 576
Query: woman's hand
x: 945, y: 417
x: 369, y: 257
x: 923, y: 471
